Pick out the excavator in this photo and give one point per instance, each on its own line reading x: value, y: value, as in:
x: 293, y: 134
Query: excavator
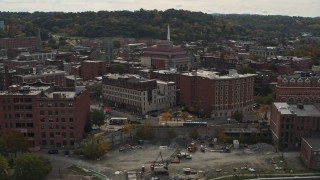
x: 160, y: 167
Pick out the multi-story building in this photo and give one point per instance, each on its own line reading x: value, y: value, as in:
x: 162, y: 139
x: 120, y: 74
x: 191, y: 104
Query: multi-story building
x: 264, y: 51
x: 291, y: 122
x: 137, y: 94
x: 30, y: 43
x: 217, y: 96
x: 91, y: 69
x: 298, y: 88
x: 310, y: 152
x: 48, y: 116
x: 56, y: 77
x: 165, y: 56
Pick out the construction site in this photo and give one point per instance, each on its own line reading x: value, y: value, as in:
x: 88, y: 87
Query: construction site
x: 196, y: 160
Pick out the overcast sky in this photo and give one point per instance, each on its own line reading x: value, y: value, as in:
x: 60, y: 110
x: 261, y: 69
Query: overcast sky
x: 308, y: 8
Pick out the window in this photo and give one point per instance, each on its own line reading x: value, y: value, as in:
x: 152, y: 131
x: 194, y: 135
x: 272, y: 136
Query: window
x: 49, y: 105
x: 41, y: 112
x: 41, y: 104
x: 71, y: 119
x: 50, y: 119
x: 51, y: 135
x: 43, y: 134
x: 63, y: 119
x: 51, y: 126
x: 71, y: 135
x: 42, y: 126
x: 49, y: 112
x: 44, y: 142
x: 62, y: 105
x: 64, y: 134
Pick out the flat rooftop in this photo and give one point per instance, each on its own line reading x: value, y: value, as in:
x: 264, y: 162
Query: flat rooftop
x: 292, y: 109
x: 214, y: 75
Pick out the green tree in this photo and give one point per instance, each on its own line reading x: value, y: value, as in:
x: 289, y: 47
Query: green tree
x: 145, y: 132
x: 14, y: 142
x: 31, y: 167
x: 247, y: 70
x: 97, y: 117
x: 238, y: 116
x: 4, y: 168
x: 94, y: 148
x: 222, y: 137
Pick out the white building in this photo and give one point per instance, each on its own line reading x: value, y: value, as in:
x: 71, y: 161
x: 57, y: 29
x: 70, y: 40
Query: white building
x: 137, y: 94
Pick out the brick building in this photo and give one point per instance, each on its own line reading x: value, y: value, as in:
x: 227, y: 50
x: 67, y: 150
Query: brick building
x: 138, y: 94
x: 291, y: 122
x: 47, y: 116
x: 217, y: 96
x: 56, y: 77
x: 31, y: 43
x: 310, y: 152
x: 165, y: 56
x: 298, y: 88
x: 91, y: 69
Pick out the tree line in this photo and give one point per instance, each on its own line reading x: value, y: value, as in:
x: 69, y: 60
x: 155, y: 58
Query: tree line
x: 185, y: 25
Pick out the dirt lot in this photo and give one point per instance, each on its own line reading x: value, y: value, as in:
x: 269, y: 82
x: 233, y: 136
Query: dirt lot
x: 210, y: 164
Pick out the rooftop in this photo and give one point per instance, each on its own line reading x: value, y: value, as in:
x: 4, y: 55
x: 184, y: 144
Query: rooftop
x: 133, y: 78
x: 214, y: 75
x: 292, y: 109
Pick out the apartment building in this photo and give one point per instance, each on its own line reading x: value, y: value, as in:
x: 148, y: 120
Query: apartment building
x: 48, y: 116
x: 212, y: 95
x: 138, y: 94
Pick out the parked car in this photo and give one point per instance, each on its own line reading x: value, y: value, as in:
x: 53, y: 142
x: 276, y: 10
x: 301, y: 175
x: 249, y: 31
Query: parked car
x: 53, y: 151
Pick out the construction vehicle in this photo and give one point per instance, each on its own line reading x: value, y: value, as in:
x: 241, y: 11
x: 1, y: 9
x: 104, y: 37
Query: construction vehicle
x: 192, y: 147
x: 160, y: 167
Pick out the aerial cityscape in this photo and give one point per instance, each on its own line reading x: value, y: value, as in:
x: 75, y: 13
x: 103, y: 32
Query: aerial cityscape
x: 135, y: 90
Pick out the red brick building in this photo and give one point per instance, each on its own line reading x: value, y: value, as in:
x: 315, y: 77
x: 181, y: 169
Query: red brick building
x: 91, y: 69
x: 298, y: 88
x: 47, y: 116
x: 217, y: 96
x: 291, y: 122
x: 30, y: 43
x: 165, y: 56
x: 310, y: 152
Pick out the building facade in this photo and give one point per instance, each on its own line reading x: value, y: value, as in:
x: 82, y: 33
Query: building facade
x: 47, y: 116
x: 55, y: 77
x: 291, y: 122
x: 264, y: 51
x: 310, y: 152
x: 137, y: 94
x: 212, y: 95
x: 298, y: 88
x: 165, y: 56
x: 91, y: 69
x: 30, y: 43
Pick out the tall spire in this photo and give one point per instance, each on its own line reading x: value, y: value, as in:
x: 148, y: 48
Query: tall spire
x: 168, y: 33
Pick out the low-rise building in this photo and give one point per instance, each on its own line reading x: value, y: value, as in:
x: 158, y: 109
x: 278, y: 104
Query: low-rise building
x: 291, y: 122
x: 310, y: 152
x: 138, y: 94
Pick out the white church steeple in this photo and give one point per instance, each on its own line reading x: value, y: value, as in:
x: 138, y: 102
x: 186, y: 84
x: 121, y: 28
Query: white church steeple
x: 168, y: 33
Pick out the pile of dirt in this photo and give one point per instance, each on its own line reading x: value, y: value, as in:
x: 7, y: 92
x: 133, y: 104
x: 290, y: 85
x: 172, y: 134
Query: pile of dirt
x: 260, y: 148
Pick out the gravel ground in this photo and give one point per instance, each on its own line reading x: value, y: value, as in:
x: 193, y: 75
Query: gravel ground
x: 213, y: 164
